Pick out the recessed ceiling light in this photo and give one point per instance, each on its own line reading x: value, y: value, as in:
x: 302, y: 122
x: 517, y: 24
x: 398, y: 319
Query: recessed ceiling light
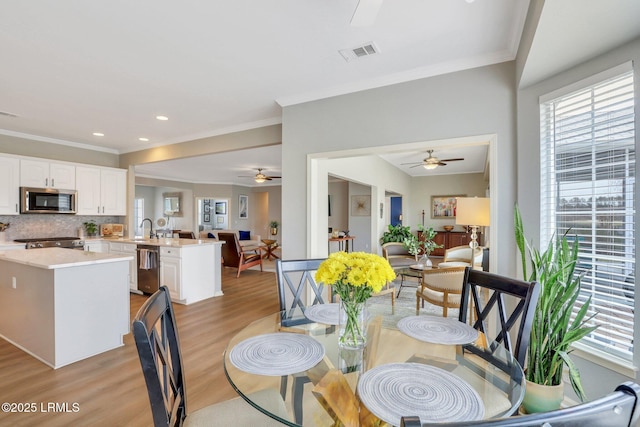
x: 163, y: 118
x: 144, y: 139
x: 98, y: 134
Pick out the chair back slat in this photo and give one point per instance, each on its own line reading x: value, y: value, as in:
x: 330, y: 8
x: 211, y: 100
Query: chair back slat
x: 295, y: 279
x: 156, y: 336
x: 497, y: 286
x: 618, y: 409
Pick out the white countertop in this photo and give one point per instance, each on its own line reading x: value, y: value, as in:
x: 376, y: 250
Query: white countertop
x: 51, y: 258
x: 170, y: 242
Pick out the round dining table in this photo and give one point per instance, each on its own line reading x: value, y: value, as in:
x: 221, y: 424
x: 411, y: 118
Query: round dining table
x: 407, y: 360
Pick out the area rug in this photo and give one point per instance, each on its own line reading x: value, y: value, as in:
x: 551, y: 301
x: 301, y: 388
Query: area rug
x: 405, y: 305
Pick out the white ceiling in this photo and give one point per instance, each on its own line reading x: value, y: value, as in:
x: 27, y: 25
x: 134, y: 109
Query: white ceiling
x: 74, y: 67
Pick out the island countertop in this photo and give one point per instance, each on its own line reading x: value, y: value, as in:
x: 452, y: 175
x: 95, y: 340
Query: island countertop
x: 51, y: 258
x: 162, y: 241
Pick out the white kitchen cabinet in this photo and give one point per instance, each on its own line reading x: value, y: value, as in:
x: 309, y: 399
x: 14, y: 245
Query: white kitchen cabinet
x: 44, y: 174
x: 101, y: 191
x: 96, y: 246
x: 171, y: 271
x: 9, y: 186
x: 120, y: 248
x: 190, y: 272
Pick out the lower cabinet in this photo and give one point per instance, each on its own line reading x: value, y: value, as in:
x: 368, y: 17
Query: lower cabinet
x: 120, y: 248
x: 97, y: 246
x: 171, y: 271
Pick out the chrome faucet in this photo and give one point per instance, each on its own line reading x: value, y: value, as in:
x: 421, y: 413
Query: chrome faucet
x: 151, y: 234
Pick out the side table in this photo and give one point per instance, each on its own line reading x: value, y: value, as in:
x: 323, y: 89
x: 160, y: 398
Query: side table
x: 270, y: 246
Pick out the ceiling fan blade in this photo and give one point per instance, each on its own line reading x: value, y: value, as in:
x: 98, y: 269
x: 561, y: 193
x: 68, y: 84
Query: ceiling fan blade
x: 271, y: 176
x: 365, y: 13
x: 416, y: 166
x: 412, y: 163
x: 451, y: 160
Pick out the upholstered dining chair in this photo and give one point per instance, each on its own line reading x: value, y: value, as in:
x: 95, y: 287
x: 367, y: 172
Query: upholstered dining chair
x: 618, y: 409
x: 233, y: 255
x: 397, y: 255
x: 479, y: 284
x: 156, y: 336
x: 441, y: 287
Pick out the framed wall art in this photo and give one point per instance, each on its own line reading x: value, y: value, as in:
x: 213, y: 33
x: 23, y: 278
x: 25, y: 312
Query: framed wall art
x: 243, y: 206
x: 360, y: 205
x: 207, y: 218
x: 443, y: 207
x: 221, y: 208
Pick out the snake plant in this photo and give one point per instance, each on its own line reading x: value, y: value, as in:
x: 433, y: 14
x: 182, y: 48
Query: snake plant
x: 554, y: 330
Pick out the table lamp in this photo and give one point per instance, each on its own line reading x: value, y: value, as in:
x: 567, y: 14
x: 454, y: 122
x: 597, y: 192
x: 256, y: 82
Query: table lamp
x: 474, y: 212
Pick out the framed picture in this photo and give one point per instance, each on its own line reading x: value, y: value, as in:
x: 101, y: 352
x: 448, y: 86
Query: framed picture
x: 221, y: 208
x: 207, y: 208
x: 207, y: 218
x: 360, y: 205
x: 207, y: 202
x: 243, y: 206
x: 220, y: 219
x: 444, y: 206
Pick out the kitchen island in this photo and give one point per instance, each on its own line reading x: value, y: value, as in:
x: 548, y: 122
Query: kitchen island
x: 190, y: 268
x: 62, y: 305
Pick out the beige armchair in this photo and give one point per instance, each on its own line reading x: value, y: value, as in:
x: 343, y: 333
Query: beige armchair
x: 397, y: 255
x: 460, y: 256
x: 441, y: 287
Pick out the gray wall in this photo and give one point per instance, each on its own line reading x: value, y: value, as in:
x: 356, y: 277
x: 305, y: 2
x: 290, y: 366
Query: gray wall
x: 480, y: 101
x: 597, y: 379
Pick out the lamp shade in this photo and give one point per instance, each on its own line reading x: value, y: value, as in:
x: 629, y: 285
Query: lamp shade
x: 473, y: 211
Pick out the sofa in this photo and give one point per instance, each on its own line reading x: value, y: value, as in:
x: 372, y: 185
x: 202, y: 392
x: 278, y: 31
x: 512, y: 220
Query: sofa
x: 253, y: 240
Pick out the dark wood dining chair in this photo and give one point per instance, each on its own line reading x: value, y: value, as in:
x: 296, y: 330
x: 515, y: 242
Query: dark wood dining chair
x: 618, y: 409
x: 233, y: 255
x: 156, y: 336
x: 497, y: 287
x: 296, y: 282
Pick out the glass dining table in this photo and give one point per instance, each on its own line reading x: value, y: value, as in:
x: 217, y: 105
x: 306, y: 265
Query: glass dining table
x: 411, y: 366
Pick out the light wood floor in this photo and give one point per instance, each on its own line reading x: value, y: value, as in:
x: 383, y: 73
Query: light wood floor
x: 109, y: 388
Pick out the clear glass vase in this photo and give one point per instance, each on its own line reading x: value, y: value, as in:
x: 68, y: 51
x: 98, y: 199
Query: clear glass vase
x: 352, y: 332
x: 424, y: 261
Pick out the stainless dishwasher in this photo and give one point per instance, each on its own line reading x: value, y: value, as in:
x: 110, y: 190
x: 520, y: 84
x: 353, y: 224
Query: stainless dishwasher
x: 148, y: 258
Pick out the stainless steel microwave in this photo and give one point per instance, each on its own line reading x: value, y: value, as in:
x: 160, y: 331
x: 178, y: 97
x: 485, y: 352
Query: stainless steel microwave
x: 47, y: 200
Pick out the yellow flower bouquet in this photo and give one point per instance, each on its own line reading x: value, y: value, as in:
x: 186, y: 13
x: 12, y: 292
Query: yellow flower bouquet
x: 354, y: 277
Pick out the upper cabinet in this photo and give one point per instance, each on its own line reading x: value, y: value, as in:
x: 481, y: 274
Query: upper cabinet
x: 44, y: 174
x: 101, y: 191
x: 10, y: 186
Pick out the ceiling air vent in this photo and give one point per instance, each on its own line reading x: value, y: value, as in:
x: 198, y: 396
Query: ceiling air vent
x: 366, y: 49
x: 5, y: 114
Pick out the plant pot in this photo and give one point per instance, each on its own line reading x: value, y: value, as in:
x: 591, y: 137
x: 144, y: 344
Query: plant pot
x: 542, y: 398
x: 274, y: 231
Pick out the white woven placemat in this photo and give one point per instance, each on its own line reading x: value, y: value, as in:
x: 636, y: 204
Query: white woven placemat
x: 437, y: 330
x: 411, y: 389
x: 277, y: 354
x: 324, y: 313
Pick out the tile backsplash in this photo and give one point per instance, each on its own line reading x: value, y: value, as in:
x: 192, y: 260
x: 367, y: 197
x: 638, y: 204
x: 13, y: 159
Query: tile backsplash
x: 28, y: 226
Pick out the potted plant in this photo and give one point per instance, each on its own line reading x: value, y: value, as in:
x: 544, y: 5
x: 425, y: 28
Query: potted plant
x: 553, y: 331
x: 3, y: 228
x: 424, y: 245
x: 396, y: 233
x: 91, y: 227
x: 273, y: 225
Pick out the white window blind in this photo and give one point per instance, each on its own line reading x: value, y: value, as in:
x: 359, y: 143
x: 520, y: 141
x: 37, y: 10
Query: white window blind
x: 587, y: 187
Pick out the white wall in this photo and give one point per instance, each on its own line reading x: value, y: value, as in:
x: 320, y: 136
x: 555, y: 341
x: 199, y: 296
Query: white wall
x: 480, y: 101
x: 339, y: 192
x: 596, y: 379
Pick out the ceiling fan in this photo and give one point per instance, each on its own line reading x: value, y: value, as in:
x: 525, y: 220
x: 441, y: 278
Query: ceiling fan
x: 432, y: 162
x: 260, y: 177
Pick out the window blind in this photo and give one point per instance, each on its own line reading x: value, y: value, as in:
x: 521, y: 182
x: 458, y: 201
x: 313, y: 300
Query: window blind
x: 587, y: 187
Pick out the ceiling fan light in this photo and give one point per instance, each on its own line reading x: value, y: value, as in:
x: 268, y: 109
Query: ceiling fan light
x: 430, y: 166
x: 260, y: 180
